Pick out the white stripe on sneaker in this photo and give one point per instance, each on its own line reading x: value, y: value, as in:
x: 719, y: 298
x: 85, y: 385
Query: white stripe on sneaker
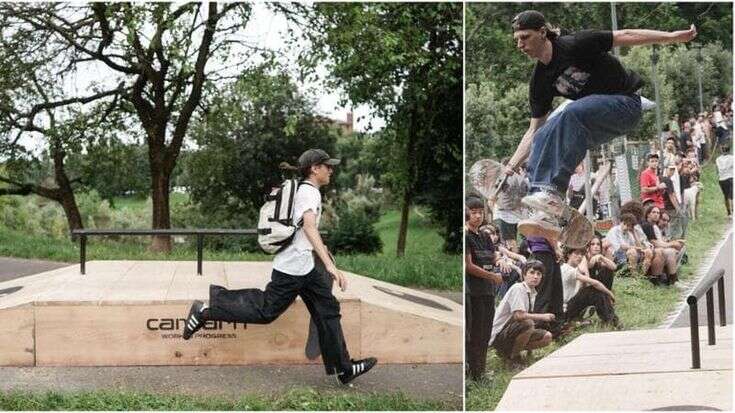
x: 194, y: 318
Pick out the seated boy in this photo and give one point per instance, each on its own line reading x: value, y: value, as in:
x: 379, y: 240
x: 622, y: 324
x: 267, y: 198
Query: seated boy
x: 582, y: 291
x: 630, y: 244
x: 514, y: 325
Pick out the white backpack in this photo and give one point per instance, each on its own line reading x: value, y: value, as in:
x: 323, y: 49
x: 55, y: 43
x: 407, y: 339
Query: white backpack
x: 276, y: 228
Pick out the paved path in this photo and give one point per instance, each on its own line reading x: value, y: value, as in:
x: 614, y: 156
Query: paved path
x: 11, y: 268
x: 440, y: 382
x: 628, y: 370
x: 721, y: 257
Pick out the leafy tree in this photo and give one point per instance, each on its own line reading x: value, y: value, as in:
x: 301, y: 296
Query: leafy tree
x: 405, y: 61
x: 156, y: 52
x: 250, y: 128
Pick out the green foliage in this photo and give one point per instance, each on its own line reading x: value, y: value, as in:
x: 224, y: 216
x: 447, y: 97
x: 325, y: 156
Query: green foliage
x: 100, y: 165
x: 354, y: 233
x: 296, y: 399
x: 349, y: 220
x: 250, y: 128
x: 405, y: 61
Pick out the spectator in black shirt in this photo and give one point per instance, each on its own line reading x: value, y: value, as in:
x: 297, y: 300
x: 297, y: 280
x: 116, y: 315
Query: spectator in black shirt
x: 606, y: 104
x: 480, y: 284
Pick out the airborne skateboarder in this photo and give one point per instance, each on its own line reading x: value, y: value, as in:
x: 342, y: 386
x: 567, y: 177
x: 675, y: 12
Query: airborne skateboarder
x: 303, y: 268
x: 606, y: 103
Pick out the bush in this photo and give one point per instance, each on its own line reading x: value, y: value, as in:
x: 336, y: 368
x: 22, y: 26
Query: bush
x: 354, y: 233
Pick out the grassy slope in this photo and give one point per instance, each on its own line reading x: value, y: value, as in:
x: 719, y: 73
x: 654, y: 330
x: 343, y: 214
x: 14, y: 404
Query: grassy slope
x: 639, y: 304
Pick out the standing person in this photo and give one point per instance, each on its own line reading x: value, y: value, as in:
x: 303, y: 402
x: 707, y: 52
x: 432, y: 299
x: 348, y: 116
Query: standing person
x: 575, y: 192
x: 296, y: 272
x: 724, y: 172
x: 672, y: 205
x: 606, y: 104
x: 481, y: 283
x: 669, y: 155
x: 652, y: 189
x: 515, y: 324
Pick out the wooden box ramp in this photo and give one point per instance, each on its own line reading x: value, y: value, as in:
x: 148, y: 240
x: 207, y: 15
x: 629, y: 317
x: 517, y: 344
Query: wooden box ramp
x: 628, y: 370
x: 132, y: 313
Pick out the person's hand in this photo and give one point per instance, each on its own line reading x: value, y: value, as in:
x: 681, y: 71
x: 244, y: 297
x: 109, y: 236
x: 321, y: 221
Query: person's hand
x: 683, y: 36
x: 504, y: 267
x: 548, y: 317
x: 661, y: 186
x: 507, y: 170
x: 338, y: 277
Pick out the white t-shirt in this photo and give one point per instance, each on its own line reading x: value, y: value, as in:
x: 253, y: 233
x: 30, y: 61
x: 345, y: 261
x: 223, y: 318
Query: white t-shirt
x: 569, y: 282
x: 519, y: 297
x: 297, y: 258
x: 724, y: 166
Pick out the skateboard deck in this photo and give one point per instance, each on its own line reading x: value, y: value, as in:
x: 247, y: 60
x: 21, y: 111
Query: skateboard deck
x: 487, y: 177
x: 576, y: 229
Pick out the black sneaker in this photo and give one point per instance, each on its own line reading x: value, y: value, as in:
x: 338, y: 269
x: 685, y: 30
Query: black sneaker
x: 359, y: 367
x: 195, y: 320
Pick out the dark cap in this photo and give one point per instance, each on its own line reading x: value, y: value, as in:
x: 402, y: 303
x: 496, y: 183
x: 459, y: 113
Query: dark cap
x: 652, y: 155
x: 529, y: 19
x: 316, y: 157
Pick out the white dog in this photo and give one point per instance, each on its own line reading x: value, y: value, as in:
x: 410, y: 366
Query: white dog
x: 691, y: 199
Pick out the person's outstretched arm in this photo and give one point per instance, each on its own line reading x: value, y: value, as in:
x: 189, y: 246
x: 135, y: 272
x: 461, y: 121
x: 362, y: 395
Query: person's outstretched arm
x: 524, y: 147
x: 639, y: 37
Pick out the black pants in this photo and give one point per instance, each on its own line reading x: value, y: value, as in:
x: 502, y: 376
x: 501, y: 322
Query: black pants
x: 479, y: 314
x: 255, y: 306
x: 590, y: 296
x: 550, y: 298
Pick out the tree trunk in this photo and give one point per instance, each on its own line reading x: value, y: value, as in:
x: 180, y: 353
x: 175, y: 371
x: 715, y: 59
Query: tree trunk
x: 411, y: 177
x: 65, y: 194
x: 403, y: 229
x: 161, y: 215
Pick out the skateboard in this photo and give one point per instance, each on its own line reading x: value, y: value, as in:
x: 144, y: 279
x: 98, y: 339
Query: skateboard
x: 576, y: 229
x: 487, y: 177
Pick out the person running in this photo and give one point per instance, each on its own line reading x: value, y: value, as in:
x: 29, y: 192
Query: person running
x: 304, y: 268
x: 606, y: 103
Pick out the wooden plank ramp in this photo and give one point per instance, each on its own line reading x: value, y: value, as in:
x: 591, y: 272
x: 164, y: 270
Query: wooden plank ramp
x: 628, y: 370
x: 131, y: 313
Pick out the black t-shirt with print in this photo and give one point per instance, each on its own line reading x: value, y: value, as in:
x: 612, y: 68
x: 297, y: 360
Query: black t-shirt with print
x: 580, y: 66
x: 482, y: 251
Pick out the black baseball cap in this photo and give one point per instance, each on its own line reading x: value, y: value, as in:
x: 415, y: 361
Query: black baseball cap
x: 652, y: 155
x: 529, y: 19
x: 316, y: 157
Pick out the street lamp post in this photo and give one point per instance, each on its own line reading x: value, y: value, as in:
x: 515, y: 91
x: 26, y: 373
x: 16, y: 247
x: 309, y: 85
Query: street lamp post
x: 699, y: 77
x: 654, y: 77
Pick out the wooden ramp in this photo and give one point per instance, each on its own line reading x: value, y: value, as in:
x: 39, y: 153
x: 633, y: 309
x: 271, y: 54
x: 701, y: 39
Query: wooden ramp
x: 131, y: 313
x: 628, y: 370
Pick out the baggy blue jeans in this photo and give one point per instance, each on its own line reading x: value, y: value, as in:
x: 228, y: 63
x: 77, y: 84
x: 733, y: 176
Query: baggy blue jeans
x: 561, y: 143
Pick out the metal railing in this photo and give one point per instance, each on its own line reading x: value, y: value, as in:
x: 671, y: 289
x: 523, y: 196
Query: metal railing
x: 706, y: 286
x: 82, y: 234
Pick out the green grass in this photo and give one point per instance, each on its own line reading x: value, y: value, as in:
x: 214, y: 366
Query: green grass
x: 300, y: 399
x: 639, y: 304
x: 424, y: 265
